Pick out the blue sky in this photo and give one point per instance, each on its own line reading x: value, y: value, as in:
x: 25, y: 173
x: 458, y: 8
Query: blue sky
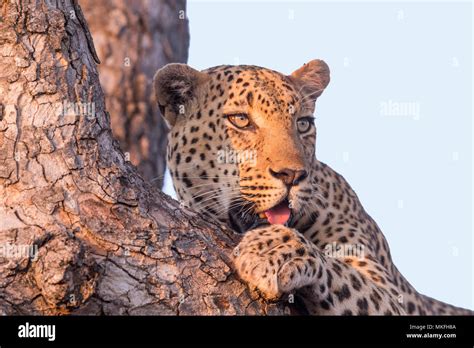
x: 395, y: 121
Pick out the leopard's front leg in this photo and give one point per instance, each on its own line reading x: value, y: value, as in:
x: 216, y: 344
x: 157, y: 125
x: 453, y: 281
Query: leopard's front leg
x: 277, y: 260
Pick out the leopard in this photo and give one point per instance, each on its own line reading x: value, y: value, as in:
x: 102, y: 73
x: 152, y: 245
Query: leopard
x: 242, y: 152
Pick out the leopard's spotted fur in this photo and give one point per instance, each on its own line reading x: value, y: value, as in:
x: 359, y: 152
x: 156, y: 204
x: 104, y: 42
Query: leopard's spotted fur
x: 279, y: 259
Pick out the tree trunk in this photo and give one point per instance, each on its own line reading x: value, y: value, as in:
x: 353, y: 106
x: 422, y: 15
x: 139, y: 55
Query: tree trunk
x: 138, y: 38
x: 81, y: 232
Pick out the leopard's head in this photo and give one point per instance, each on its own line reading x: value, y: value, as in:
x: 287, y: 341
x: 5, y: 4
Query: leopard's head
x: 242, y: 139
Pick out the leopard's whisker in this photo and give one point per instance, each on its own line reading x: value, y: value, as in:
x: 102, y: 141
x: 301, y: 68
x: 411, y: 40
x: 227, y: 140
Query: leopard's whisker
x: 230, y: 195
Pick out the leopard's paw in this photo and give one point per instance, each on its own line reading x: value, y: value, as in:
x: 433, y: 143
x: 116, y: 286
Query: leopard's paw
x: 275, y: 260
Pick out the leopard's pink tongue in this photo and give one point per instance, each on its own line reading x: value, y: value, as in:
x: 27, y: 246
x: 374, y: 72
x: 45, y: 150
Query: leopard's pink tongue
x: 278, y: 214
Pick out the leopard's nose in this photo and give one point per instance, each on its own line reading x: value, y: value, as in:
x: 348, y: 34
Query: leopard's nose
x: 290, y: 176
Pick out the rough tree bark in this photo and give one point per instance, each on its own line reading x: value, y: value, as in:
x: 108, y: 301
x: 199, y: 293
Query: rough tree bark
x: 108, y: 242
x: 138, y: 37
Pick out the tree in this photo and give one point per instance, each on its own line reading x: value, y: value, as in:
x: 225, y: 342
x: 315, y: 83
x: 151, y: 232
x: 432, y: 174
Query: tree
x: 139, y: 37
x: 81, y: 231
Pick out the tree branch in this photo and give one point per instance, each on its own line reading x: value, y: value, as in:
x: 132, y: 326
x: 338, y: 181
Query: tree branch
x: 107, y: 242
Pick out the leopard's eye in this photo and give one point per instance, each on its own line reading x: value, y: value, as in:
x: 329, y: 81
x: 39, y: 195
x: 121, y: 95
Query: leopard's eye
x: 304, y: 124
x: 241, y: 121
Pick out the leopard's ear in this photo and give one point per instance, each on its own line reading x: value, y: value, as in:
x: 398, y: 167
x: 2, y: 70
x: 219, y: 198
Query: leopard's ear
x: 312, y: 78
x: 175, y: 86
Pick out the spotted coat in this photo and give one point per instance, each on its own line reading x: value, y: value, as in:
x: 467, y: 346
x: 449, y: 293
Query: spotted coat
x: 226, y: 111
